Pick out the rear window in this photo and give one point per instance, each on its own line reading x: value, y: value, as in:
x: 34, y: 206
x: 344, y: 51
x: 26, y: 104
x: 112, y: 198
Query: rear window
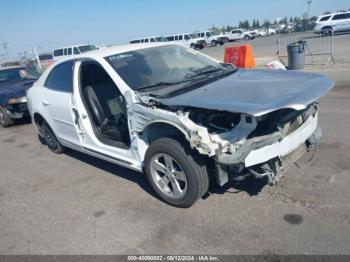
x: 325, y: 18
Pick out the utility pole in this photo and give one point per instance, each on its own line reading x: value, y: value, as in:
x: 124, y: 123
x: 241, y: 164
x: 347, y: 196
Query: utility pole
x: 5, y: 46
x: 308, y: 9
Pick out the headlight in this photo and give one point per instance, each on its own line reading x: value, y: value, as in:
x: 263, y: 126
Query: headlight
x: 18, y: 100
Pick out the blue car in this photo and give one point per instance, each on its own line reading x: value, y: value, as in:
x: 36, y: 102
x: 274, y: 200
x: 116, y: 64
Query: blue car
x: 14, y: 82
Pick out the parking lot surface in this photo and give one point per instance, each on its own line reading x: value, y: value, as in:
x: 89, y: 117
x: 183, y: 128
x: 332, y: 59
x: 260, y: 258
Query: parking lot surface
x: 76, y: 204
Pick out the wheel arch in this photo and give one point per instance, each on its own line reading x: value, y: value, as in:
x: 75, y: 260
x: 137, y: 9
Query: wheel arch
x: 159, y: 129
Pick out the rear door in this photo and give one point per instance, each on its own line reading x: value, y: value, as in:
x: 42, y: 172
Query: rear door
x: 57, y: 99
x: 339, y: 22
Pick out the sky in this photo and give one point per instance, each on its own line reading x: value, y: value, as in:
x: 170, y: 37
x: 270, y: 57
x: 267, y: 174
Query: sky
x: 48, y: 24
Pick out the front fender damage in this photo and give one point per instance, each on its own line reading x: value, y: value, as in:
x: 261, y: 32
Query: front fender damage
x: 230, y: 146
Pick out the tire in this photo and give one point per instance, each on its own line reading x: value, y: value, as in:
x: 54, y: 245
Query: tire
x: 246, y: 37
x: 51, y: 141
x: 327, y: 31
x: 194, y: 178
x: 5, y: 119
x: 213, y: 43
x: 193, y: 46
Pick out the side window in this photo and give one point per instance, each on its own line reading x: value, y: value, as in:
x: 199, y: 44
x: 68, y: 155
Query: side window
x: 324, y: 18
x: 65, y: 51
x: 153, y: 40
x: 61, y: 77
x: 187, y: 37
x: 170, y: 38
x: 76, y: 51
x: 69, y: 51
x: 58, y: 52
x: 142, y: 40
x: 146, y: 40
x: 202, y: 34
x: 339, y: 17
x: 207, y: 34
x: 180, y: 37
x: 176, y: 38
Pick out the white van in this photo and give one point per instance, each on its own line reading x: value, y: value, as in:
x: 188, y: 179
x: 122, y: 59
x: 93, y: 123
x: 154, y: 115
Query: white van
x: 333, y: 23
x: 72, y: 50
x: 150, y: 39
x: 213, y: 38
x: 187, y: 39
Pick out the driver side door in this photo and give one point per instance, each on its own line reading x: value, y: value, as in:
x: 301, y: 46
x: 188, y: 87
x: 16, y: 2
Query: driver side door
x: 91, y: 140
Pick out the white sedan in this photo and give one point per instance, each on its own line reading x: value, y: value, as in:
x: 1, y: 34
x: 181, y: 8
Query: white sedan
x: 178, y: 115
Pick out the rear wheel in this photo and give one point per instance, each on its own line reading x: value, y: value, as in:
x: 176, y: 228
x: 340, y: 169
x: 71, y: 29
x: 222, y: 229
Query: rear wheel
x: 246, y: 37
x: 177, y: 173
x: 5, y: 119
x: 52, y: 142
x: 214, y: 43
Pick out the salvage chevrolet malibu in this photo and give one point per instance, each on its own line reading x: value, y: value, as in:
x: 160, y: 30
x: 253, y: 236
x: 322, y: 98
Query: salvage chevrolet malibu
x: 176, y: 114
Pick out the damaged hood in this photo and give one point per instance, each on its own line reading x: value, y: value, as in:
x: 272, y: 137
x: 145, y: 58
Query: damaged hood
x: 256, y: 92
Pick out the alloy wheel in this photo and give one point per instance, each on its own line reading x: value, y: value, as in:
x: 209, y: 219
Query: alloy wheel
x: 168, y: 175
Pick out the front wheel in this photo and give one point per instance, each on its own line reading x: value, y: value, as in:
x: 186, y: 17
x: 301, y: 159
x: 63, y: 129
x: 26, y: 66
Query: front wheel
x: 213, y: 43
x: 5, y: 119
x: 177, y: 173
x: 327, y: 32
x: 246, y: 37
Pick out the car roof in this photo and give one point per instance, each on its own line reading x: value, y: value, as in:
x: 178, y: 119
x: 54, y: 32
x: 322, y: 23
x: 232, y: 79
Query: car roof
x: 121, y: 49
x: 113, y: 50
x: 336, y: 13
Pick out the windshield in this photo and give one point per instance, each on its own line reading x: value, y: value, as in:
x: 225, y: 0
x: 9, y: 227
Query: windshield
x: 162, y: 67
x: 15, y: 75
x: 214, y: 33
x: 86, y: 48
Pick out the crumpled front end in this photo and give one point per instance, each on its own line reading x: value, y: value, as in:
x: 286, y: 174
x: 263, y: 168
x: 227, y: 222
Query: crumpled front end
x: 260, y: 141
x: 236, y: 142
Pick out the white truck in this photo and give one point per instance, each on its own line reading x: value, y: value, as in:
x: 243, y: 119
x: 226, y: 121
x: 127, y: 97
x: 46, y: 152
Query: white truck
x: 240, y: 34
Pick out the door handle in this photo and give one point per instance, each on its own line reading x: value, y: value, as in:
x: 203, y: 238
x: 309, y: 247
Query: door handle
x: 45, y: 103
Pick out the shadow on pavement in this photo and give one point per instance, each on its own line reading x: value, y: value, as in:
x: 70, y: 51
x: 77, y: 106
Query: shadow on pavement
x: 250, y: 185
x: 133, y: 176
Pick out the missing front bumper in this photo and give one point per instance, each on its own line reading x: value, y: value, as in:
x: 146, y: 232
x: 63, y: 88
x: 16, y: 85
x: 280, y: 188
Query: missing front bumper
x: 269, y: 150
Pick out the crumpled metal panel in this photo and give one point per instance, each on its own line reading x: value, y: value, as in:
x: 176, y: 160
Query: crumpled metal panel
x: 256, y: 92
